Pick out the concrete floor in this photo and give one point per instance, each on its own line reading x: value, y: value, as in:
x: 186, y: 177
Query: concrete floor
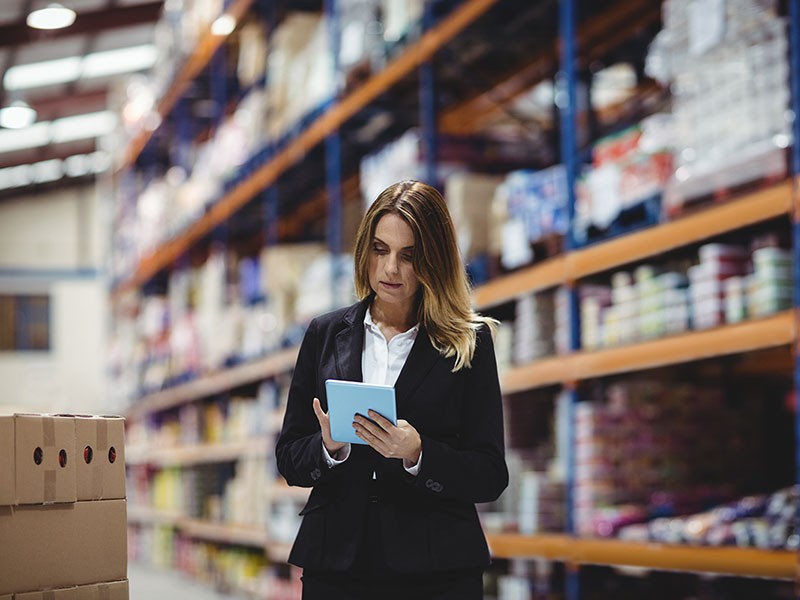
x: 148, y: 583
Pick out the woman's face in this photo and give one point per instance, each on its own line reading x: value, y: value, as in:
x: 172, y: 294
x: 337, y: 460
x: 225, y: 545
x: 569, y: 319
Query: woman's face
x: 391, y: 271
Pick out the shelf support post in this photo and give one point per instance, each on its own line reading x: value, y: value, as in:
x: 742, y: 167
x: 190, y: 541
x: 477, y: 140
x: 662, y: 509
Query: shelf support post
x: 428, y: 108
x: 333, y: 157
x: 566, y: 100
x: 794, y: 58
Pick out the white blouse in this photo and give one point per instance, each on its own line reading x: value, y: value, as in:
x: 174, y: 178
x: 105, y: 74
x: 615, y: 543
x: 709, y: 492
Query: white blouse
x: 381, y: 363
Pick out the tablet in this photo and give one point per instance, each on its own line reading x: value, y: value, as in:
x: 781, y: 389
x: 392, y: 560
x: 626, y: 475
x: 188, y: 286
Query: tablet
x: 348, y: 398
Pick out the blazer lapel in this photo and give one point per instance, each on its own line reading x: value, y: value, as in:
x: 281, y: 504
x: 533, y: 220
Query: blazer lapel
x: 419, y: 362
x: 350, y: 342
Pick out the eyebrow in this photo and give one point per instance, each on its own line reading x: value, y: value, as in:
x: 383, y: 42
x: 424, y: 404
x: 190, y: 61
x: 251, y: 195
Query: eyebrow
x: 379, y: 240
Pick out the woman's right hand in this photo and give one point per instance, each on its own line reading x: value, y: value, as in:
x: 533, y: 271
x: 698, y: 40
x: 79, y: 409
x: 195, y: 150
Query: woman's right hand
x: 325, y: 425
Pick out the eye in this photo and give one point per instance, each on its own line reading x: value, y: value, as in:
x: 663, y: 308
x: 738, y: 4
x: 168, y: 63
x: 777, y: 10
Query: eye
x: 378, y: 249
x: 407, y: 256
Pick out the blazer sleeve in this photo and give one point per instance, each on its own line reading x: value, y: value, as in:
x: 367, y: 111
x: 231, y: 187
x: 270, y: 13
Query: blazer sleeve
x: 298, y: 451
x: 474, y: 471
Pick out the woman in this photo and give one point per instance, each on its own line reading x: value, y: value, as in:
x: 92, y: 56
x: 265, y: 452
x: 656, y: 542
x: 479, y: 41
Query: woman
x: 396, y: 518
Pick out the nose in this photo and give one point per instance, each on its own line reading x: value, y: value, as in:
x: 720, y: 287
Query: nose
x: 392, y: 264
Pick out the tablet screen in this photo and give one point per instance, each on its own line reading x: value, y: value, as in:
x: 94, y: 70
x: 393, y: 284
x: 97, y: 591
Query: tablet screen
x: 348, y: 398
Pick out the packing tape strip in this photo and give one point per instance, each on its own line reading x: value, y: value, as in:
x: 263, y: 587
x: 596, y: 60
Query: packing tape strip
x: 102, y: 434
x: 48, y: 431
x: 50, y: 485
x: 98, y: 469
x: 49, y: 443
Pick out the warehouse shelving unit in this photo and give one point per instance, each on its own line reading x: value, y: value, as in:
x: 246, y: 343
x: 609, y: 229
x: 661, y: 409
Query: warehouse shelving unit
x: 743, y: 562
x: 281, y: 361
x: 779, y: 331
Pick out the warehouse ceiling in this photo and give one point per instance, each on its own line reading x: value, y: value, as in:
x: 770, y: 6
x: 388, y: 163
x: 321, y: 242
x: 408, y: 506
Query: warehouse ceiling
x: 67, y: 76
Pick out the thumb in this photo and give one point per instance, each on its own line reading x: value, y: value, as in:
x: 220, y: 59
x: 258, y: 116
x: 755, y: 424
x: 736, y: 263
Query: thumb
x: 318, y: 408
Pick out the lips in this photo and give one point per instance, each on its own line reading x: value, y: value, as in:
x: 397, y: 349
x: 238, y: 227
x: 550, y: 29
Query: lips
x: 391, y: 286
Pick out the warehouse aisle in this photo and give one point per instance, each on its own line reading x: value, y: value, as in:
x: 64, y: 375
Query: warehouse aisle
x: 148, y: 583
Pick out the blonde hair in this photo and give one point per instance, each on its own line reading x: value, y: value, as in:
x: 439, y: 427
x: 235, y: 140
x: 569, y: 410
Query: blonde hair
x: 445, y: 306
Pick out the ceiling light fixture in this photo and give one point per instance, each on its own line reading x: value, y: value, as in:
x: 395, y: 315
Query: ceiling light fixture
x: 53, y: 16
x: 17, y: 115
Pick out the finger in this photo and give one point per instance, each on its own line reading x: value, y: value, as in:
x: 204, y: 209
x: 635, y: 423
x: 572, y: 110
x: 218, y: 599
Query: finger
x: 368, y: 424
x: 385, y: 423
x: 318, y: 408
x: 373, y: 441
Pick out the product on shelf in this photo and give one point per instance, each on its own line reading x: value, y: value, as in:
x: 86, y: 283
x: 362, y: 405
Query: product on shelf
x: 623, y: 186
x: 650, y: 450
x: 762, y: 521
x: 300, y: 74
x: 469, y: 200
x: 727, y: 284
x: 724, y: 62
x: 534, y: 327
x: 532, y: 206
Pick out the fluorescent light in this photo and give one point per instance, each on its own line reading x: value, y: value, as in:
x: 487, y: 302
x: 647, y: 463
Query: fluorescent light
x: 54, y: 169
x: 17, y: 115
x: 72, y: 68
x: 84, y: 126
x: 47, y: 72
x: 47, y: 170
x: 54, y: 16
x: 68, y: 129
x: 30, y: 137
x: 223, y: 25
x: 114, y: 62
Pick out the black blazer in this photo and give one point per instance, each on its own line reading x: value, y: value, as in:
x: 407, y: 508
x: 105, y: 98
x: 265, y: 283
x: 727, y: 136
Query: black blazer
x: 428, y: 521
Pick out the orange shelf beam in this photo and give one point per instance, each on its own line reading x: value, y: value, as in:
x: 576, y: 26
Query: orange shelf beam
x: 255, y: 536
x: 281, y: 361
x: 407, y: 62
x: 745, y: 562
x: 548, y: 273
x: 757, y: 334
x: 198, y: 453
x: 750, y: 209
x: 196, y: 62
x: 546, y: 371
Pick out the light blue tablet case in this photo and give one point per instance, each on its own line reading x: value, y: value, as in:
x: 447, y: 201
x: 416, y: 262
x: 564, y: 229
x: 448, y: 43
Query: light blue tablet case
x: 346, y: 398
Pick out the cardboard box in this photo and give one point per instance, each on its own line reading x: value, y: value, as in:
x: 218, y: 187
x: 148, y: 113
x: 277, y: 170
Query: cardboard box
x: 44, y: 460
x: 100, y: 446
x: 70, y: 593
x: 469, y: 199
x: 6, y: 597
x: 114, y: 590
x: 7, y: 470
x: 61, y: 545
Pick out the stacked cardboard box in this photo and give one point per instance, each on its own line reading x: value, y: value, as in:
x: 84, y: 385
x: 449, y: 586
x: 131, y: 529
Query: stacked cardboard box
x: 62, y: 508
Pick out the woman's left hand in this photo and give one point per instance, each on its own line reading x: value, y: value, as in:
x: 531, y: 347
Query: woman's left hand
x: 402, y: 441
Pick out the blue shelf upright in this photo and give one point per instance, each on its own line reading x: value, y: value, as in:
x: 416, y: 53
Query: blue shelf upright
x: 428, y: 110
x: 794, y: 45
x: 566, y: 101
x: 333, y: 157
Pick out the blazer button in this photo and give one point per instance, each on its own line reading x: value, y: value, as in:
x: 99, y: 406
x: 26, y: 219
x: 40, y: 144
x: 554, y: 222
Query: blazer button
x: 316, y: 474
x: 434, y: 486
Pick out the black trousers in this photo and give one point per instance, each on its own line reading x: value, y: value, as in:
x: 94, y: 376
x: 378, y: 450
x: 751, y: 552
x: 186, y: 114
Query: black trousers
x: 370, y: 578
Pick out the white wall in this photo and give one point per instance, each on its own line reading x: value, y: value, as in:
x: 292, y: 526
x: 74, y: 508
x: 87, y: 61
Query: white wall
x: 55, y: 243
